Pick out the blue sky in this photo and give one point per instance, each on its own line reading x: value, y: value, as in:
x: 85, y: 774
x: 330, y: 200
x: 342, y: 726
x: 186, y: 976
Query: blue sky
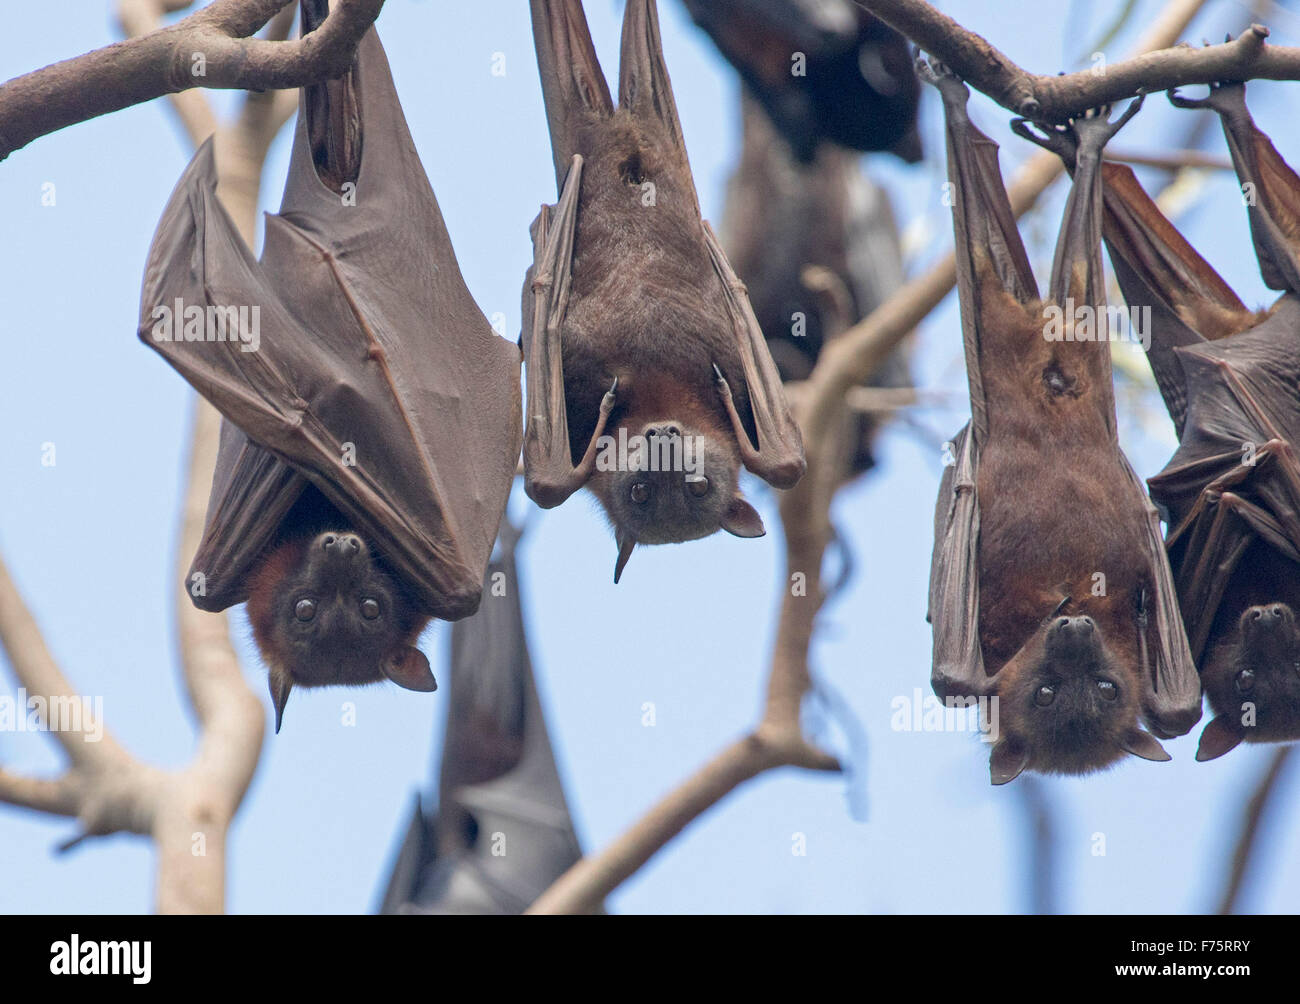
x: 91, y: 540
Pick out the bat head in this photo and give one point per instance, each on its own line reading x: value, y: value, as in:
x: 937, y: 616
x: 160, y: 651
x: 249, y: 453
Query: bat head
x: 1252, y: 678
x: 325, y: 612
x: 672, y: 482
x: 1065, y: 707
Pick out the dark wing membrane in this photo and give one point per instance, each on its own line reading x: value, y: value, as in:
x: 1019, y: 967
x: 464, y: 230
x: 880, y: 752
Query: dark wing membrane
x: 499, y: 787
x: 573, y: 84
x: 1271, y: 188
x: 1243, y: 392
x: 1157, y: 269
x: 957, y: 669
x: 376, y: 375
x: 252, y: 492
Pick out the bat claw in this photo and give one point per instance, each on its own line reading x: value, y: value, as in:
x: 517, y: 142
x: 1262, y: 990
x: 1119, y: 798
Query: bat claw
x: 607, y: 402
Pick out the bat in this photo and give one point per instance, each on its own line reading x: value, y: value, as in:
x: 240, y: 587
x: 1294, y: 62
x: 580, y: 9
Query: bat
x: 372, y: 416
x: 649, y: 381
x: 1050, y: 590
x: 1230, y: 379
x: 782, y: 216
x: 502, y: 832
x: 824, y: 70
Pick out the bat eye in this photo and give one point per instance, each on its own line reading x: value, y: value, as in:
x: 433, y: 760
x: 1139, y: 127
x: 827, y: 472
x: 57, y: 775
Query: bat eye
x: 1108, y: 689
x: 1246, y: 681
x: 640, y: 493
x: 1045, y: 696
x: 369, y: 609
x: 697, y: 485
x: 305, y: 610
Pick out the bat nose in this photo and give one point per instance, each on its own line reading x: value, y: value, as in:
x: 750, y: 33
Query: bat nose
x: 342, y: 545
x: 1267, y: 616
x: 1075, y: 625
x: 668, y: 429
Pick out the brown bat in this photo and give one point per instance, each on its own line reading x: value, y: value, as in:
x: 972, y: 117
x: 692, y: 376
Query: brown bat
x: 1050, y: 590
x: 502, y: 831
x: 1230, y: 378
x: 648, y: 377
x: 782, y: 216
x: 824, y: 71
x: 372, y: 417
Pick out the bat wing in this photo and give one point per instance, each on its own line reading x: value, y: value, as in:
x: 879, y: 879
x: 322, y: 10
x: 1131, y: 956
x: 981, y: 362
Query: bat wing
x: 375, y: 375
x: 957, y: 669
x: 1234, y: 476
x: 991, y: 265
x: 573, y: 85
x: 1157, y: 268
x: 252, y: 492
x: 1271, y: 188
x: 503, y: 830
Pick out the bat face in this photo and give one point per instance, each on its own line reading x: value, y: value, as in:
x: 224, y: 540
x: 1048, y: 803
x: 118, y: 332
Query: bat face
x: 1252, y: 678
x: 680, y: 485
x: 325, y: 612
x: 1068, y: 705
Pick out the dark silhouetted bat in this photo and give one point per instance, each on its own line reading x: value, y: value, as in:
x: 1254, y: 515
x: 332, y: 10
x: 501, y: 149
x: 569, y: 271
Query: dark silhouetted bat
x: 782, y: 216
x: 648, y: 377
x: 1230, y: 378
x: 373, y: 419
x: 825, y: 70
x: 502, y: 832
x: 1050, y: 590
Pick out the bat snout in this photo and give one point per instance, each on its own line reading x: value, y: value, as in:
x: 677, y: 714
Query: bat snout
x: 341, y: 546
x: 1076, y: 627
x: 1266, y: 617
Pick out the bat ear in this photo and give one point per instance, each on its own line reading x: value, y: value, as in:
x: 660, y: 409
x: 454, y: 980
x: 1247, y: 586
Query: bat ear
x: 1219, y: 737
x: 280, y: 687
x: 1007, y: 761
x: 409, y: 667
x: 742, y: 520
x: 625, y: 546
x: 1145, y: 745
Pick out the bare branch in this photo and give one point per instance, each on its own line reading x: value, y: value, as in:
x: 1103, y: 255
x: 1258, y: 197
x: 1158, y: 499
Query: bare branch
x: 210, y: 48
x: 52, y: 795
x: 1056, y: 98
x: 1248, y: 838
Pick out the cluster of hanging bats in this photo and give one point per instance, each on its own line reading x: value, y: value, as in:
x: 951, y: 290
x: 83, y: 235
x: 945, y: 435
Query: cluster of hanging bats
x: 372, y: 435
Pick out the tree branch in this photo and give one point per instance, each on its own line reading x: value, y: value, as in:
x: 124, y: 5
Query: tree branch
x: 210, y: 48
x: 1056, y: 98
x: 1248, y: 838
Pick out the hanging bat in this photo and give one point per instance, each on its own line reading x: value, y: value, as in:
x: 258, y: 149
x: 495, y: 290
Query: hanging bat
x: 1230, y: 378
x: 782, y: 216
x: 372, y: 417
x: 636, y: 329
x: 824, y: 70
x: 502, y: 832
x: 1050, y: 590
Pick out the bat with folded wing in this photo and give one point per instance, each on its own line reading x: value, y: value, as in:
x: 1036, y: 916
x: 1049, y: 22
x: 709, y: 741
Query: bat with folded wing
x: 1051, y: 597
x: 372, y: 417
